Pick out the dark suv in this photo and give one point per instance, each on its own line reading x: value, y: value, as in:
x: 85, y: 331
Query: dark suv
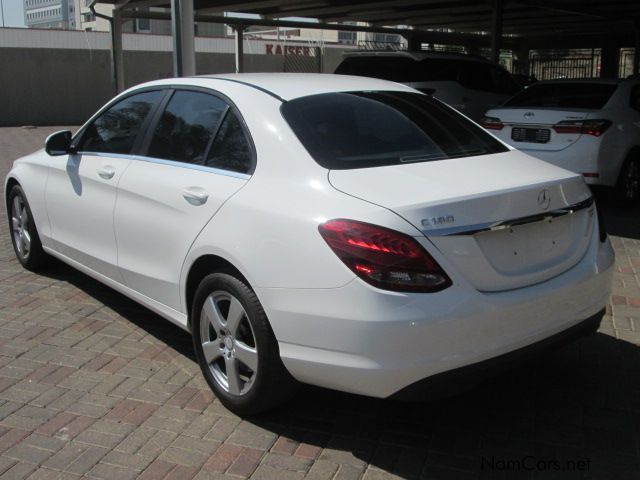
x: 470, y: 84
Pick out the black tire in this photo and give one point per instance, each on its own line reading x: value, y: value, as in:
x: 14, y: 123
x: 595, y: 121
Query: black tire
x: 627, y: 189
x: 270, y: 384
x: 34, y: 257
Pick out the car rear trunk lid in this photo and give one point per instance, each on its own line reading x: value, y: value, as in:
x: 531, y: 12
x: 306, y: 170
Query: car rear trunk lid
x: 504, y: 221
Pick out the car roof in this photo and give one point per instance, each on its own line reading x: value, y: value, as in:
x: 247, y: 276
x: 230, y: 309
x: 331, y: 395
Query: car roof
x: 287, y: 86
x: 417, y: 56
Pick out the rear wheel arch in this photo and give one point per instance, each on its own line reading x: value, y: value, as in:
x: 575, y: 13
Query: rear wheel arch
x: 11, y: 182
x: 630, y: 164
x: 634, y: 153
x: 200, y: 268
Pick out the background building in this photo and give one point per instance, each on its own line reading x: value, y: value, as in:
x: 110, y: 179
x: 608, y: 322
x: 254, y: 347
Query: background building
x: 64, y: 14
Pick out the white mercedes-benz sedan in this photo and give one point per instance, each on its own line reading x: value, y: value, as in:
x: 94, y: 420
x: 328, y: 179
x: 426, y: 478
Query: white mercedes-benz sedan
x: 340, y: 231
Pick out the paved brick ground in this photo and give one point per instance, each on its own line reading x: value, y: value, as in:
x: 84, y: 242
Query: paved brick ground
x: 92, y: 385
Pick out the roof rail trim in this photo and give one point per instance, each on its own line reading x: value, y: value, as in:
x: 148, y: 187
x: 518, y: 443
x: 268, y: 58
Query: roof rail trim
x: 257, y: 87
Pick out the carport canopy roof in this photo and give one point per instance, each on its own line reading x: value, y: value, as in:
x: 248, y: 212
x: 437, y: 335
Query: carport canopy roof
x: 521, y: 18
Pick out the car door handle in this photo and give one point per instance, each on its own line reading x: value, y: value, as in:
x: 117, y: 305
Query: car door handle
x: 107, y: 172
x: 195, y: 195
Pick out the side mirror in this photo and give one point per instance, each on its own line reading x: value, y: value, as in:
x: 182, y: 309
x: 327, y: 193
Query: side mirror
x: 58, y: 143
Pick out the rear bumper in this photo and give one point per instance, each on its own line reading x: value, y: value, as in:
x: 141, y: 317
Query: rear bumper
x: 466, y: 377
x: 367, y: 341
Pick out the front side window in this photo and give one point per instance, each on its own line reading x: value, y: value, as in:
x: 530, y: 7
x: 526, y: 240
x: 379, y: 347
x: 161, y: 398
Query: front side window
x: 351, y: 130
x: 116, y: 129
x: 187, y: 127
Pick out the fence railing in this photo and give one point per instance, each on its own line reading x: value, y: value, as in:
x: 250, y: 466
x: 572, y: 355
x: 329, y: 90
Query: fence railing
x: 554, y: 66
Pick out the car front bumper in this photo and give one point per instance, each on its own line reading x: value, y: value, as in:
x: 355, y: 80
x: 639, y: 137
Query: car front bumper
x: 363, y: 340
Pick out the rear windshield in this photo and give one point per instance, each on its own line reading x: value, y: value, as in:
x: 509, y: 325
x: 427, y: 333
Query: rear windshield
x: 370, y: 129
x: 565, y: 95
x: 470, y: 74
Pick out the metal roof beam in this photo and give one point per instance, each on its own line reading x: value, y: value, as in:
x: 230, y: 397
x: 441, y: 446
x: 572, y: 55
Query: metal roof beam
x: 247, y: 6
x: 562, y: 7
x: 348, y: 10
x: 424, y: 35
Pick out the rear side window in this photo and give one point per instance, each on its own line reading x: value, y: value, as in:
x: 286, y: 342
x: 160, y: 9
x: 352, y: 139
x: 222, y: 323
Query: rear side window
x: 231, y: 149
x: 370, y: 129
x: 187, y: 127
x: 564, y: 95
x: 116, y: 129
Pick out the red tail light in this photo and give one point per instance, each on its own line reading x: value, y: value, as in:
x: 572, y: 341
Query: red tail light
x: 492, y: 123
x: 586, y: 127
x: 384, y: 258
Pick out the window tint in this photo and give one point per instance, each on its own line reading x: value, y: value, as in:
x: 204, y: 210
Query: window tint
x: 187, y: 126
x: 231, y: 149
x: 115, y: 130
x: 564, y: 95
x: 370, y: 129
x: 635, y: 98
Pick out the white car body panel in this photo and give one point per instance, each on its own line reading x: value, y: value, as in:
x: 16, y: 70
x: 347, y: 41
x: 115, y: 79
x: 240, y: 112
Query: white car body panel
x: 580, y: 153
x: 80, y: 206
x: 333, y: 329
x: 152, y: 247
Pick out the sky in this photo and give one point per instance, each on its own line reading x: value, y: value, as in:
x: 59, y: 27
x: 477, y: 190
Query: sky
x: 13, y: 13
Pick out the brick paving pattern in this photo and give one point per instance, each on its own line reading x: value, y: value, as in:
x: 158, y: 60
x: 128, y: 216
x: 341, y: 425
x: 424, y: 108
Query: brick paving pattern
x: 94, y: 386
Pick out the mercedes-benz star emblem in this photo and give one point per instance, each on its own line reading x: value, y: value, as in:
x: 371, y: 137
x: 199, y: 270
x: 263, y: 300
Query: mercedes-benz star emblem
x: 529, y: 115
x: 544, y: 199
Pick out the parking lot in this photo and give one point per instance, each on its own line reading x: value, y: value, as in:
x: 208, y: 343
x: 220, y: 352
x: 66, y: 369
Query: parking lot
x: 93, y: 385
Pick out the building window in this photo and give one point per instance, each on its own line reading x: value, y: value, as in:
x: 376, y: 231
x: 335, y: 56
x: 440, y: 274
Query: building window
x: 143, y: 25
x: 346, y: 37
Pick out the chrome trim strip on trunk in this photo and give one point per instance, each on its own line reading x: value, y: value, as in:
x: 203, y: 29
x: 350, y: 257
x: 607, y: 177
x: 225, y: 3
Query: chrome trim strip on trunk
x: 493, y: 226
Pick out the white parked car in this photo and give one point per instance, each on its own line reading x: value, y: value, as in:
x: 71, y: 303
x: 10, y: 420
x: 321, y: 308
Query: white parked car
x: 591, y: 127
x: 342, y: 231
x: 470, y: 84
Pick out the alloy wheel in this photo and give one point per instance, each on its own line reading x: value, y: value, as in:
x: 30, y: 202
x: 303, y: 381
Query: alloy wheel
x: 19, y: 226
x: 228, y: 343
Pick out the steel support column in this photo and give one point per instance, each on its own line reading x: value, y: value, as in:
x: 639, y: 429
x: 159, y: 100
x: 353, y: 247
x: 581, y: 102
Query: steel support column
x: 496, y: 30
x: 609, y: 61
x: 636, y: 52
x: 118, y: 54
x: 239, y: 31
x: 521, y: 62
x: 183, y: 30
x: 414, y: 43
